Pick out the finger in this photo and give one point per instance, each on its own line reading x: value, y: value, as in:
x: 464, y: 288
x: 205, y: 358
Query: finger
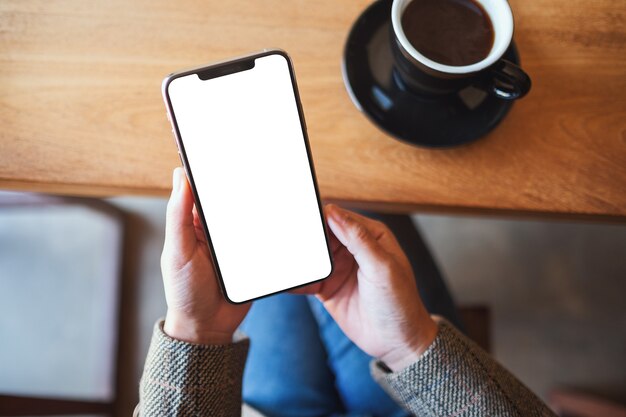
x: 197, y: 223
x: 379, y: 230
x: 340, y: 257
x: 196, y: 216
x: 334, y: 243
x: 343, y: 268
x: 356, y: 234
x: 179, y: 225
x: 338, y: 292
x: 307, y: 289
x: 375, y: 227
x: 324, y: 289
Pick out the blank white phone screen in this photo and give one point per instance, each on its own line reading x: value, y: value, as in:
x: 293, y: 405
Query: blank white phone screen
x: 246, y: 153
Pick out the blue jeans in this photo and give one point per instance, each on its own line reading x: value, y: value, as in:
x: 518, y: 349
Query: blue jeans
x: 301, y: 364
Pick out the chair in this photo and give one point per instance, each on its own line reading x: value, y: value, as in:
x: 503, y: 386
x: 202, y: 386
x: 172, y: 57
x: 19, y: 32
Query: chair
x: 60, y: 265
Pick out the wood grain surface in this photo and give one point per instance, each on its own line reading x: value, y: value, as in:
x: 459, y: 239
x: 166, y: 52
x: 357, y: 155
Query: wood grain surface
x: 81, y: 111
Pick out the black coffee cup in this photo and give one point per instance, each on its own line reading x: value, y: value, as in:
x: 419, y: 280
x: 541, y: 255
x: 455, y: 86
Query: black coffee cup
x: 493, y: 74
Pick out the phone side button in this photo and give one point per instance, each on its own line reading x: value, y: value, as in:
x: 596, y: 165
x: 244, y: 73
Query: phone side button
x: 181, y: 159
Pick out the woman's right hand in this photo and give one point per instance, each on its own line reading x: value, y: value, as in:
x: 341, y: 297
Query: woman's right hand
x: 371, y: 293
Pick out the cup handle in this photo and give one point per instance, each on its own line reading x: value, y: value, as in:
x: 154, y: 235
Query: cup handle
x: 507, y: 81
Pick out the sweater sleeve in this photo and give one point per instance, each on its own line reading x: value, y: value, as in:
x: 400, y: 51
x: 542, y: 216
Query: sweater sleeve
x: 184, y: 379
x: 455, y: 377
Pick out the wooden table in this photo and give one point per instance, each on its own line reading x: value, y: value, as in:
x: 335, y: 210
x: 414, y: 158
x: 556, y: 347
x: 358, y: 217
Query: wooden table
x: 81, y: 111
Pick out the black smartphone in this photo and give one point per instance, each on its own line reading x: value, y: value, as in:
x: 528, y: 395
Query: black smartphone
x: 242, y: 139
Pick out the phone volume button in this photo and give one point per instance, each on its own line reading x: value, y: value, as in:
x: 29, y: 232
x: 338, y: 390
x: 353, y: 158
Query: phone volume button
x: 181, y: 159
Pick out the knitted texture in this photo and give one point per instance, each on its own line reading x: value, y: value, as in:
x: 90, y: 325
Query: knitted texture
x: 184, y: 379
x: 455, y: 377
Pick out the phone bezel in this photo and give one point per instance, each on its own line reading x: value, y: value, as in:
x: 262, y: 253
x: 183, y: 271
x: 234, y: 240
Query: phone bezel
x: 226, y: 68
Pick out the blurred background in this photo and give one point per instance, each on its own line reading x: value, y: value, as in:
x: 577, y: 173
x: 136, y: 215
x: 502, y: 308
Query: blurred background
x: 81, y: 277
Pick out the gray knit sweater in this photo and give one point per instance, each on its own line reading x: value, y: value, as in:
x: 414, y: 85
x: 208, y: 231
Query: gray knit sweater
x: 454, y: 377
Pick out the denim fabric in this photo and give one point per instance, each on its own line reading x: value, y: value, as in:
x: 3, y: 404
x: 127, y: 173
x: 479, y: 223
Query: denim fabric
x: 286, y: 372
x: 301, y: 364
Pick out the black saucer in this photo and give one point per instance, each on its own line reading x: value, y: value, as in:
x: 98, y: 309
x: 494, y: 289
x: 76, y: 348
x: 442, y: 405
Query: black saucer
x: 441, y: 121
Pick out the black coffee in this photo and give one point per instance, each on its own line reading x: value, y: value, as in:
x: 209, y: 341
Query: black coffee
x: 450, y: 32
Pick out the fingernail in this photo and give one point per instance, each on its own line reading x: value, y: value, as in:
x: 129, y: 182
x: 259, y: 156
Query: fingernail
x: 335, y: 220
x: 338, y: 213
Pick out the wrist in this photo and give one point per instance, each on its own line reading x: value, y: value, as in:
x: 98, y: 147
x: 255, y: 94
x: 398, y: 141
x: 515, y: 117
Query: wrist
x: 180, y: 327
x: 415, y: 346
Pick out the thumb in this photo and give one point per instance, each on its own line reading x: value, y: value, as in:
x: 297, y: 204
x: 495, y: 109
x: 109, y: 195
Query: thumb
x: 355, y: 234
x: 179, y: 229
